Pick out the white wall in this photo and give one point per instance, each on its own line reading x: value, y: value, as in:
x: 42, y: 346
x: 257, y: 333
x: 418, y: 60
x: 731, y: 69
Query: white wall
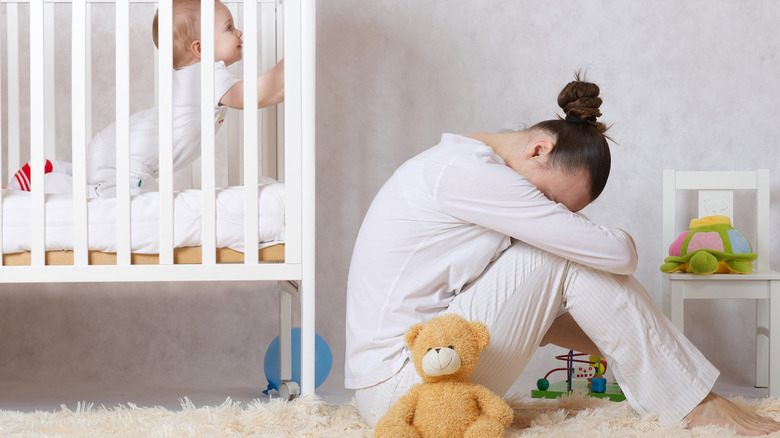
x: 690, y: 85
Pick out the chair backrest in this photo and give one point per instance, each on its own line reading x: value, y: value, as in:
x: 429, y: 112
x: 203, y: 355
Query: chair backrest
x: 716, y: 196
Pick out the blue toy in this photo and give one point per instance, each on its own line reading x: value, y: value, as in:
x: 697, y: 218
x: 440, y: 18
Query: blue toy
x: 598, y: 384
x: 323, y: 359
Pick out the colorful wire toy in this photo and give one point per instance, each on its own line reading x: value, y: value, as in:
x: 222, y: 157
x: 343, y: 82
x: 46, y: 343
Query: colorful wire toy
x: 599, y: 366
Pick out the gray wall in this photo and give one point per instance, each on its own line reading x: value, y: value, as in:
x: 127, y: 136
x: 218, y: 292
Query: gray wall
x: 689, y: 85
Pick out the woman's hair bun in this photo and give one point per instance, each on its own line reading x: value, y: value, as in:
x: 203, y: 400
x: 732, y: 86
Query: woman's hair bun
x: 580, y: 140
x: 580, y: 99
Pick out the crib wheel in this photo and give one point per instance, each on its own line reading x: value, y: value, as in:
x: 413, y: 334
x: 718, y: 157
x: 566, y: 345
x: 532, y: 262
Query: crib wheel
x: 289, y: 390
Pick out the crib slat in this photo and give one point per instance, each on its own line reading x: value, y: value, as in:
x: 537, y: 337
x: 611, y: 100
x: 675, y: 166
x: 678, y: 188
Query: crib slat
x: 156, y: 67
x: 292, y: 131
x: 14, y: 142
x: 165, y: 96
x: 1, y: 158
x: 208, y: 178
x: 79, y: 131
x: 235, y: 140
x: 308, y: 210
x: 123, y: 131
x: 234, y: 119
x: 88, y: 72
x: 280, y: 154
x: 268, y: 54
x: 50, y: 95
x: 37, y: 134
x: 250, y: 133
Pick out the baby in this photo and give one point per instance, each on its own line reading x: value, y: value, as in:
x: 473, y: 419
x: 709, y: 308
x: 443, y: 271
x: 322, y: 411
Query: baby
x: 144, y: 140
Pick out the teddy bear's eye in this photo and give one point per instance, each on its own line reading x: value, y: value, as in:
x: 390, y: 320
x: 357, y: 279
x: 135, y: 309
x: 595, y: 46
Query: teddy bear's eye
x: 430, y: 349
x: 451, y: 347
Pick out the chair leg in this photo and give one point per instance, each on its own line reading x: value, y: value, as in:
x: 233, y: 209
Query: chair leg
x: 774, y: 339
x: 676, y: 304
x: 762, y: 343
x: 666, y: 304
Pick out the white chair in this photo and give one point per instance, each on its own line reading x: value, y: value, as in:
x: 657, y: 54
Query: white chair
x: 716, y: 196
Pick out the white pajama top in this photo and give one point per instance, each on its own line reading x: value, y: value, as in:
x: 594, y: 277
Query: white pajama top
x: 433, y: 228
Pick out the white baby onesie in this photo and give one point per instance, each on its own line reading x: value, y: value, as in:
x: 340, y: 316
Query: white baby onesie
x: 144, y: 140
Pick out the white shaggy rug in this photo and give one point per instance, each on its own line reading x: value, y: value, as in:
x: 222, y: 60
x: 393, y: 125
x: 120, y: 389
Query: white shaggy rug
x: 309, y: 416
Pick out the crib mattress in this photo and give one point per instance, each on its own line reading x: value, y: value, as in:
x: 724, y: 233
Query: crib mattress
x: 144, y: 208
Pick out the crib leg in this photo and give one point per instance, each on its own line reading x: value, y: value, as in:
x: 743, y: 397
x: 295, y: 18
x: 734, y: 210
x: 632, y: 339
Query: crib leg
x: 288, y: 389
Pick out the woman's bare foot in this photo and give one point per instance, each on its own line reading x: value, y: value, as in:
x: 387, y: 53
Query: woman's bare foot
x: 715, y: 409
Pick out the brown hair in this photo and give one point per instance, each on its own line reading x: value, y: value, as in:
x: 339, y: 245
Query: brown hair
x: 581, y: 142
x: 186, y: 29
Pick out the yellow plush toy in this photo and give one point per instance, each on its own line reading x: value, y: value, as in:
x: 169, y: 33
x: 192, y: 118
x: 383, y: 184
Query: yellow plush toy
x: 445, y: 352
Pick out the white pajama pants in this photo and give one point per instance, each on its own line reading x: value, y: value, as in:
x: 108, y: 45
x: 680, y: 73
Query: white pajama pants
x: 518, y: 297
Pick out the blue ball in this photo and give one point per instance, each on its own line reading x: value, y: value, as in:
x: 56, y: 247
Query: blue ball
x: 323, y: 360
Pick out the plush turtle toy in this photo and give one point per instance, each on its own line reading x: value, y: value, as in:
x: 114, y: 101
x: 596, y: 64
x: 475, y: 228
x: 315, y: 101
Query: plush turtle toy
x: 711, y: 245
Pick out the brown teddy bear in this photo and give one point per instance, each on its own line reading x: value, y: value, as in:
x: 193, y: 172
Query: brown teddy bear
x: 445, y: 352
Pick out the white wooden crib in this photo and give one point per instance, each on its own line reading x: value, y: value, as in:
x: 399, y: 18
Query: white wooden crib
x: 276, y: 142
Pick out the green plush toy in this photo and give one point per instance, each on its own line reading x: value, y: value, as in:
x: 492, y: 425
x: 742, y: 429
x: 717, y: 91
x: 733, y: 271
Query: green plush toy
x: 711, y: 245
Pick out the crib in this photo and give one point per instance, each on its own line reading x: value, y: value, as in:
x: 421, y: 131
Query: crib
x: 272, y: 147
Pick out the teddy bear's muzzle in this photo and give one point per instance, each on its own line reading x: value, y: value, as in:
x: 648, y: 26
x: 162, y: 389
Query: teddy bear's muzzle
x: 440, y: 361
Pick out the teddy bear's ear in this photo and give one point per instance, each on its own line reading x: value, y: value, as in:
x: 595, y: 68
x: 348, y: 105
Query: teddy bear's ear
x: 412, y: 333
x: 481, y: 334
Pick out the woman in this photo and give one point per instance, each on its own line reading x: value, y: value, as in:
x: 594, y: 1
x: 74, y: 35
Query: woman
x: 486, y: 226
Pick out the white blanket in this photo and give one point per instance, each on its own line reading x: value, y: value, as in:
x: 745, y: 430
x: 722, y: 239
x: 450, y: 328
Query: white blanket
x: 145, y: 220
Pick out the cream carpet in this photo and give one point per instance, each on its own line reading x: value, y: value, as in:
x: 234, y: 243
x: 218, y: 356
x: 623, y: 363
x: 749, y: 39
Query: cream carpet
x: 309, y: 416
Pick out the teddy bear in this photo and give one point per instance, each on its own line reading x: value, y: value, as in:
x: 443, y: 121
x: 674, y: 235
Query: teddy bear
x: 445, y: 352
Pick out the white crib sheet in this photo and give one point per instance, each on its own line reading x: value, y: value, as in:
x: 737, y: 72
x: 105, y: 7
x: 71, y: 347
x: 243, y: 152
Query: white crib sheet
x: 145, y: 220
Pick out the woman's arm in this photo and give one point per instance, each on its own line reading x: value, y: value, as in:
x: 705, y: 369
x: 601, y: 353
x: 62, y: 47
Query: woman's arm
x: 496, y: 197
x: 270, y: 89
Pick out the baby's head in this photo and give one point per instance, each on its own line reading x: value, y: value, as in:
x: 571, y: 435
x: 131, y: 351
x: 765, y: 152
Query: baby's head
x: 186, y: 33
x: 186, y: 29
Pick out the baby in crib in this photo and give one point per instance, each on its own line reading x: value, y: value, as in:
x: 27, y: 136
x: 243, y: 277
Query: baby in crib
x: 144, y: 140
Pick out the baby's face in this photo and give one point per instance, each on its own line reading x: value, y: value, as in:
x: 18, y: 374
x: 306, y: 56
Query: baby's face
x: 227, y: 38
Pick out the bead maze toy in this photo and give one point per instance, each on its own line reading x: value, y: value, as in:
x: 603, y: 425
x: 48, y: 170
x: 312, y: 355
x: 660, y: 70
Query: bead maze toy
x: 594, y: 385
